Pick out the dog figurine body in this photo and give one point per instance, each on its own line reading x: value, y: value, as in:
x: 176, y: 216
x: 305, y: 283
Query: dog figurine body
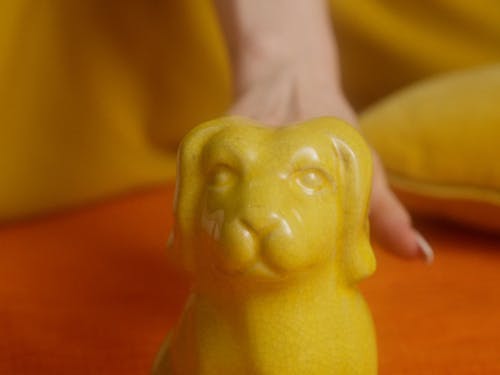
x: 271, y: 225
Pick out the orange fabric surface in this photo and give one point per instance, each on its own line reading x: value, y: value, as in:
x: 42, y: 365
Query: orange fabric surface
x: 90, y: 292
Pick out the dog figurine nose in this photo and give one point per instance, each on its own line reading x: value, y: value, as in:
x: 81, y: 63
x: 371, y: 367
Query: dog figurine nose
x: 260, y: 220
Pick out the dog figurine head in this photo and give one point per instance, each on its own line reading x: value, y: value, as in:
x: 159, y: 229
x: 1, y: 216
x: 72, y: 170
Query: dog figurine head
x: 259, y: 203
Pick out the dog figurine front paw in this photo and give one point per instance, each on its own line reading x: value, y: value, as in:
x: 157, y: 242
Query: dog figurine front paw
x: 271, y: 225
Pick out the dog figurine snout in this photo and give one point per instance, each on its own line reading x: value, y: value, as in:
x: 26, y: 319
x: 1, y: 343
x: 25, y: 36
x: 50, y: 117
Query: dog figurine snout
x: 246, y: 242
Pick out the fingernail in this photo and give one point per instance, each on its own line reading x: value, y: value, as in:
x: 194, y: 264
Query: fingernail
x: 425, y: 248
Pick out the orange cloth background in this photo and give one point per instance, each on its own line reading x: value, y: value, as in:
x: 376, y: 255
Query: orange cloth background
x: 89, y: 292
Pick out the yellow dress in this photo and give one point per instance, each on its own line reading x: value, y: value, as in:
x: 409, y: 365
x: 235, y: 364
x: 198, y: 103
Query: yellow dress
x: 96, y: 94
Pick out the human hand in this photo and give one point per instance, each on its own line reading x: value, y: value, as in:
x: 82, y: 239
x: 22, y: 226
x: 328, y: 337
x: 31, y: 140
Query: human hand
x: 287, y: 97
x: 285, y: 70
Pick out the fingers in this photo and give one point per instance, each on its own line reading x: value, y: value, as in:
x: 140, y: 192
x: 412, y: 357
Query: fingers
x: 426, y: 248
x: 391, y: 223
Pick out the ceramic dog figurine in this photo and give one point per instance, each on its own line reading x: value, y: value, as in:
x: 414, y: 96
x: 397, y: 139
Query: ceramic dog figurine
x: 271, y: 225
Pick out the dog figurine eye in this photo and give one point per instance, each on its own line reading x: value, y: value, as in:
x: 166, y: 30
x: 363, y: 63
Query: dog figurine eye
x: 222, y: 176
x: 311, y: 180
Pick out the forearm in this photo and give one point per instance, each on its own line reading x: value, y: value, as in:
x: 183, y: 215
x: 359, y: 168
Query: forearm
x: 264, y: 36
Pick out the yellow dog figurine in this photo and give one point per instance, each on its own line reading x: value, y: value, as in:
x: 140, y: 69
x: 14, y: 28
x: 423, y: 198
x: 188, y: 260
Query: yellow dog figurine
x: 271, y: 225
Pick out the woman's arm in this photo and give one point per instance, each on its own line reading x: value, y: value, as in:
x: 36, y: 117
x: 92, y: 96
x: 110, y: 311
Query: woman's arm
x: 285, y: 69
x: 283, y: 51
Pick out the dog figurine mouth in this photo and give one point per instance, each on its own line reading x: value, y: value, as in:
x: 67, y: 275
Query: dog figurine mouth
x: 257, y: 270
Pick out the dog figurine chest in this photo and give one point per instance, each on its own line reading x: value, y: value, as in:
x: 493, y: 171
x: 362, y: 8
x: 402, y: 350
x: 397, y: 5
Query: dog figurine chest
x: 271, y: 225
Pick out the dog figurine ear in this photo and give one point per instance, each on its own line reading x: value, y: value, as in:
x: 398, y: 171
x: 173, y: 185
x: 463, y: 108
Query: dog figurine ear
x: 189, y: 187
x: 356, y: 257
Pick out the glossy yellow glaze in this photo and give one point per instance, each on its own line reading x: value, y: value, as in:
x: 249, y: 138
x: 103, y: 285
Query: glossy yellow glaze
x: 271, y: 225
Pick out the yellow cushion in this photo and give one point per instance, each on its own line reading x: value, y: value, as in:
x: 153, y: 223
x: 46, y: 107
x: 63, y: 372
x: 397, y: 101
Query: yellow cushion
x: 440, y: 143
x: 386, y: 45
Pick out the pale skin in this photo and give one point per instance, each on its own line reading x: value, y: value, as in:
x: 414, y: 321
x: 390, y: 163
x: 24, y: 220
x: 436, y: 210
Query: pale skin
x: 285, y: 69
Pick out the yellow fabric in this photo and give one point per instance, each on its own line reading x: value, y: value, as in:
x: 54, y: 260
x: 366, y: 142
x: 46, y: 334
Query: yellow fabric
x: 388, y: 44
x: 440, y: 143
x: 96, y: 94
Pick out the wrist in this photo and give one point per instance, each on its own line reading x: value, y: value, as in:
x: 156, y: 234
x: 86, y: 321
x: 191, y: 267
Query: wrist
x: 278, y: 37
